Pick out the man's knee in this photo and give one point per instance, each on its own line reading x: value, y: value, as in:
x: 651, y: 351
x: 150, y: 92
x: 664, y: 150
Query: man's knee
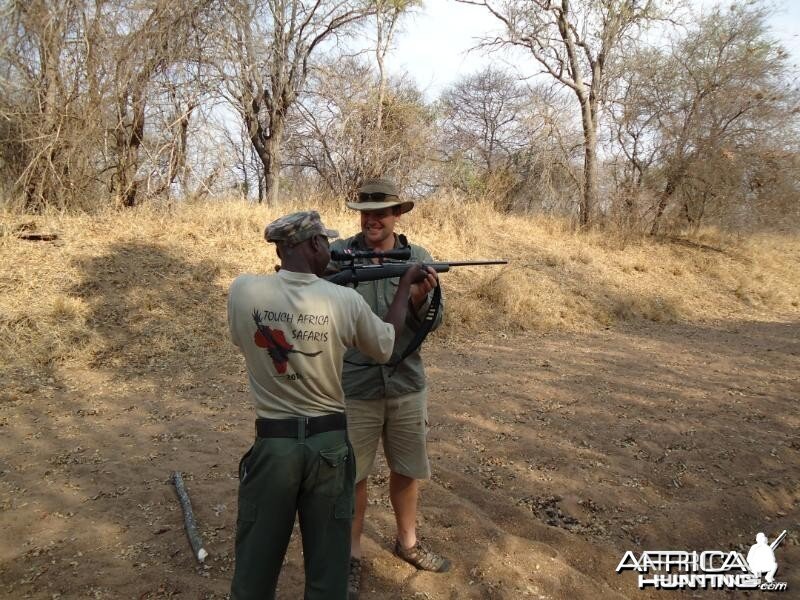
x: 405, y: 439
x: 401, y: 478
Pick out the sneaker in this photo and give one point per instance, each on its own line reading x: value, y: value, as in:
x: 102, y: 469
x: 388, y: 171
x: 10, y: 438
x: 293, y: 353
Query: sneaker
x: 354, y: 579
x: 422, y: 557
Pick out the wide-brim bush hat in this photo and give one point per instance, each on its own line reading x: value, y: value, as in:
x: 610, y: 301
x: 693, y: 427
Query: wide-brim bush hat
x: 377, y: 194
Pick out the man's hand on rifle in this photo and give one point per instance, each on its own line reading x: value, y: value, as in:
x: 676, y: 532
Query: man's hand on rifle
x: 419, y: 291
x: 416, y: 274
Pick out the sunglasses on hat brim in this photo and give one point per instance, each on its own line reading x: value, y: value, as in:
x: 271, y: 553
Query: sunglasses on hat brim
x: 374, y: 196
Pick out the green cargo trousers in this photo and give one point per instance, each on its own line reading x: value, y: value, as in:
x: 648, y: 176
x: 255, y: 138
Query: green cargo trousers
x: 279, y: 477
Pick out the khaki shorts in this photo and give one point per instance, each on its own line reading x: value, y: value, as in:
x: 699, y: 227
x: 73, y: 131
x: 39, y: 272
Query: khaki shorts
x: 402, y: 422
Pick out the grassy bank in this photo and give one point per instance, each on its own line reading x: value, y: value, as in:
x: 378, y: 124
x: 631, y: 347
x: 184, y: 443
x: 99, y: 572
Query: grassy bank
x: 145, y: 289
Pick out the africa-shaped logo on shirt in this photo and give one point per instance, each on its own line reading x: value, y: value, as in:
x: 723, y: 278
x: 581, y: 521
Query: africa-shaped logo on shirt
x: 274, y: 341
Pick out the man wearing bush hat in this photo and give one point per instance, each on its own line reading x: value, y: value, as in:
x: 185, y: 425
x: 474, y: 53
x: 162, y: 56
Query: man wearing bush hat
x: 292, y: 328
x: 389, y: 402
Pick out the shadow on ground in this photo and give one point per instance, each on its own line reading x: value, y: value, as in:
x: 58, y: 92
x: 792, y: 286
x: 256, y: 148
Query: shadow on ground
x: 552, y: 454
x: 88, y: 507
x: 652, y: 437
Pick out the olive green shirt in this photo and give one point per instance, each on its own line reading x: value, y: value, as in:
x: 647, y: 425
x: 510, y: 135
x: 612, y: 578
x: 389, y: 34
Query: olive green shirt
x: 373, y: 382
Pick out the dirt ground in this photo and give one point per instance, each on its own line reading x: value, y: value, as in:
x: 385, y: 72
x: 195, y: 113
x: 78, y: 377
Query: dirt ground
x: 552, y: 455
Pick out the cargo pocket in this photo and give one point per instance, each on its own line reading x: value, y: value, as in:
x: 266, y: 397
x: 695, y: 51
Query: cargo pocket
x: 245, y: 525
x: 244, y: 466
x: 345, y: 506
x: 331, y: 470
x: 247, y: 511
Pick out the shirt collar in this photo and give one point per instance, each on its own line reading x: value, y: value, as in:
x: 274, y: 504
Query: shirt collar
x: 295, y: 277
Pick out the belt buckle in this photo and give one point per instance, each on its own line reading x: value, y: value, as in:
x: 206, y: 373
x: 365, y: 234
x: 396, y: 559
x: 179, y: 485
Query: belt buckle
x: 307, y: 427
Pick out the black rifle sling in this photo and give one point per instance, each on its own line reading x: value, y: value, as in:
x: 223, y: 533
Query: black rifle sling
x: 422, y: 332
x: 419, y: 337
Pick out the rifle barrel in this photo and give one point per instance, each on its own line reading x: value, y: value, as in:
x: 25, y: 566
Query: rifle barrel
x: 466, y: 263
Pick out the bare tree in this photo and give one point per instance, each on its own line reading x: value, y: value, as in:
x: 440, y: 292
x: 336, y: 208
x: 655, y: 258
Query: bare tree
x: 634, y: 142
x: 573, y: 42
x: 337, y: 136
x: 270, y: 44
x: 694, y: 114
x: 245, y: 164
x: 156, y: 60
x: 483, y: 118
x: 387, y: 17
x: 47, y: 133
x: 79, y: 81
x: 503, y: 138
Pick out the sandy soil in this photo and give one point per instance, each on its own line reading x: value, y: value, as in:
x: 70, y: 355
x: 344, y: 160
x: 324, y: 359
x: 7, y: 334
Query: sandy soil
x: 552, y: 455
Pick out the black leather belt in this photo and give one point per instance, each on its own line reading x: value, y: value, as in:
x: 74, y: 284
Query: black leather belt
x: 301, y: 426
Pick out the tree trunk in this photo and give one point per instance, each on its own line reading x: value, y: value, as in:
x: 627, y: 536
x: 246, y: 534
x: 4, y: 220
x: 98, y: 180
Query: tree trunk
x: 178, y: 163
x: 41, y: 175
x: 128, y: 139
x: 379, y: 55
x: 272, y: 164
x: 663, y: 198
x: 589, y: 165
x: 687, y: 213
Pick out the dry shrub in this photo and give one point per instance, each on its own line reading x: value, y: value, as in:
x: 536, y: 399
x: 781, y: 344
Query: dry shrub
x: 36, y: 329
x: 145, y: 289
x: 501, y: 299
x: 653, y: 308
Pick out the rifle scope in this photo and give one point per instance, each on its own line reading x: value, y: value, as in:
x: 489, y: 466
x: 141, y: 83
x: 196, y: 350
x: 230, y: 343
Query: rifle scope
x: 348, y: 254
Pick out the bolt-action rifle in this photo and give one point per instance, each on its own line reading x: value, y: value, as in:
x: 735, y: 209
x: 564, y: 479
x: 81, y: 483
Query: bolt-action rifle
x: 393, y: 263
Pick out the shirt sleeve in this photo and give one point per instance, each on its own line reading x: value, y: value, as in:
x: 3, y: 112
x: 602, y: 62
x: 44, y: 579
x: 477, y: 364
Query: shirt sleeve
x: 232, y: 295
x: 372, y: 336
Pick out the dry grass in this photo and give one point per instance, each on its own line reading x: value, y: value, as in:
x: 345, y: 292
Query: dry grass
x: 145, y: 289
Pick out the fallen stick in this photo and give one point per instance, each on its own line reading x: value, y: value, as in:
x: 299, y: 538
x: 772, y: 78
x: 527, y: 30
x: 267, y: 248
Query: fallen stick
x: 188, y: 518
x: 37, y: 237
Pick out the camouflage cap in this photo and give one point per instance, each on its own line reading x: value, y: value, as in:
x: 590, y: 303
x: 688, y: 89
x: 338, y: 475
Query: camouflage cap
x: 377, y: 194
x: 297, y: 227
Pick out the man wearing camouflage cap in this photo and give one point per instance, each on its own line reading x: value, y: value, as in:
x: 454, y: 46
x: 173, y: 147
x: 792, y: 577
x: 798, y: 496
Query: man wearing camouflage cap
x: 386, y: 402
x: 292, y: 328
